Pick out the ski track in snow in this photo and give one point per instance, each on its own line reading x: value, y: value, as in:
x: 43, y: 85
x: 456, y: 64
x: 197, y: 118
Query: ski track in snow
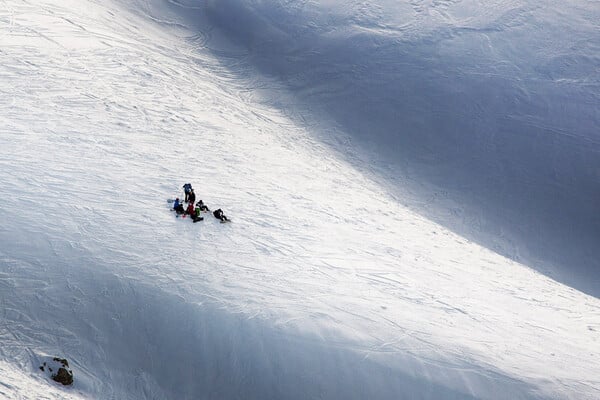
x: 324, y: 286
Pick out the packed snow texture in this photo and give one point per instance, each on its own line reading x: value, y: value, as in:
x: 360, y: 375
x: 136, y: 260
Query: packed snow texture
x: 413, y: 185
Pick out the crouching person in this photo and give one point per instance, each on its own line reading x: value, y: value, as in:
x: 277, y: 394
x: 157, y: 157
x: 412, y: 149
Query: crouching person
x: 178, y: 207
x: 196, y: 216
x: 202, y: 206
x: 218, y: 213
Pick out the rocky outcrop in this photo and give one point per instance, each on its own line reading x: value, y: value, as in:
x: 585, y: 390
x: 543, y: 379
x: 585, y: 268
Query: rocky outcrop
x: 58, y: 369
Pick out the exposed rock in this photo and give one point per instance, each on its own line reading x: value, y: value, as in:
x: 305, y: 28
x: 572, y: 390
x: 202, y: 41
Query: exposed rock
x: 63, y: 376
x: 63, y: 373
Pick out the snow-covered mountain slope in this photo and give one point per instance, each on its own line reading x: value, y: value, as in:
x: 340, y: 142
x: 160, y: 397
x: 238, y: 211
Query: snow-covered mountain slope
x: 325, y: 285
x: 483, y: 116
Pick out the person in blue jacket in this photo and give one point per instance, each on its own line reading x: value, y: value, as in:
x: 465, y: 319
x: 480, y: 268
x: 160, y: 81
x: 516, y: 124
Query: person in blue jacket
x: 178, y: 207
x: 187, y: 188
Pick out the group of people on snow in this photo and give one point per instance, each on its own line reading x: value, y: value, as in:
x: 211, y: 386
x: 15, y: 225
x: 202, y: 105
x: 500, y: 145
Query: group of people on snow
x: 195, y: 211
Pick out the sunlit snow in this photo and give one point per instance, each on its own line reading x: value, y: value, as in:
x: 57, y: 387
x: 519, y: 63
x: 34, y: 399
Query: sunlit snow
x: 413, y: 186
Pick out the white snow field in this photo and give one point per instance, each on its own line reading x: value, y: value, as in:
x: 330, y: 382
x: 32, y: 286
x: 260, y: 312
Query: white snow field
x: 413, y: 186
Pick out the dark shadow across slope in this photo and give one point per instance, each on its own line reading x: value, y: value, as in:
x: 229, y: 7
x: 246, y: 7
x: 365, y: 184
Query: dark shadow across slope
x: 492, y: 130
x: 131, y: 339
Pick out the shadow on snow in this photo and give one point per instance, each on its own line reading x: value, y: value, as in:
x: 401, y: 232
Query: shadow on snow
x: 499, y: 150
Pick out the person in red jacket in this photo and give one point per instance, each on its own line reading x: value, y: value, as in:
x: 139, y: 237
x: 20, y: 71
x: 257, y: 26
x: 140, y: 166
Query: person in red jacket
x: 190, y: 209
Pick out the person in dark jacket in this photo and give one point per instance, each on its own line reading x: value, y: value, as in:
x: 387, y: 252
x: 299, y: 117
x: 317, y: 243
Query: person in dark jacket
x: 218, y: 213
x: 178, y: 207
x: 187, y: 188
x: 202, y: 206
x: 191, y: 197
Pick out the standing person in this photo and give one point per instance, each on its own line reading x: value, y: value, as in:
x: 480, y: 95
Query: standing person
x: 192, y: 197
x: 218, y: 213
x: 187, y: 188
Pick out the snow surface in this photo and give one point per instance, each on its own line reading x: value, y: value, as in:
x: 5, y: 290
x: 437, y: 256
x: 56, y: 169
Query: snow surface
x: 414, y: 188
